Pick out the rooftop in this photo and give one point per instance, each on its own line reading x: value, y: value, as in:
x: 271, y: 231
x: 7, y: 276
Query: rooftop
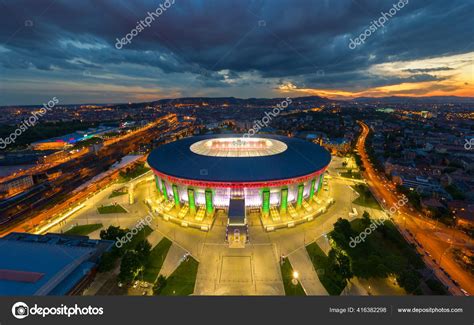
x: 230, y: 164
x: 45, y: 264
x: 238, y: 147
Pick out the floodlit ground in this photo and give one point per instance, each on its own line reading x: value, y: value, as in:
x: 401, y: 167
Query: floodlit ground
x: 253, y: 270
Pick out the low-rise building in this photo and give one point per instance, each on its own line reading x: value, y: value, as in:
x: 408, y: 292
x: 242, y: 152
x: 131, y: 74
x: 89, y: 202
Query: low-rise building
x: 16, y: 185
x: 51, y: 264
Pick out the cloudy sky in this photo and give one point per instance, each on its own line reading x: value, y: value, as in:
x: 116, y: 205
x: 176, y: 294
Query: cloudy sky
x: 241, y: 48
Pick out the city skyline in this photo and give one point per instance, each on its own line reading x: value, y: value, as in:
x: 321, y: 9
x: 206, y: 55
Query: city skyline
x: 190, y: 49
x: 237, y: 148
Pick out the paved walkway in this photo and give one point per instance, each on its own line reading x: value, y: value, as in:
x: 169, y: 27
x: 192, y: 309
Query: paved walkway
x: 301, y: 262
x: 154, y: 238
x: 99, y: 281
x: 172, y: 260
x: 354, y: 288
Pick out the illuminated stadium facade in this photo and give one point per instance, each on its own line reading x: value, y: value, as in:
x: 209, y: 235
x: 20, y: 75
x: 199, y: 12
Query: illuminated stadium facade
x: 267, y: 171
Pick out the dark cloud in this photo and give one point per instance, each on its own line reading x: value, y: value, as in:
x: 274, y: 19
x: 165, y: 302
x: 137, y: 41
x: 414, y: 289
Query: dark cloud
x: 253, y: 41
x: 428, y: 70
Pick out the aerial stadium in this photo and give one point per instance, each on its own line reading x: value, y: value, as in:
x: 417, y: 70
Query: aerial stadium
x: 272, y: 174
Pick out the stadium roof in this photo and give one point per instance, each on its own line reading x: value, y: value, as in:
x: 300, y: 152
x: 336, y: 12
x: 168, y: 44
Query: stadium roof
x: 301, y: 158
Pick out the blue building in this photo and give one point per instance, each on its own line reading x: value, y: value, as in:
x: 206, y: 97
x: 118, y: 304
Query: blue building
x: 51, y: 264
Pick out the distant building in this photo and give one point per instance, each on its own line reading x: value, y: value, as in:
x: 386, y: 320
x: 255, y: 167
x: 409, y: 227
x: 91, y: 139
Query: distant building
x: 213, y: 125
x: 56, y: 156
x: 337, y: 145
x: 463, y: 212
x: 16, y: 185
x: 51, y: 264
x: 431, y: 203
x: 421, y: 184
x: 23, y: 157
x: 68, y: 140
x: 426, y: 114
x: 465, y: 219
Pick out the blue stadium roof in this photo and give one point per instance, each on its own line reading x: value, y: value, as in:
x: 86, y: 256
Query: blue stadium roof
x: 300, y: 159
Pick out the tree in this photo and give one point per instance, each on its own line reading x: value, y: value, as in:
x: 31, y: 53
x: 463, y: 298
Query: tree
x: 341, y: 233
x: 159, y: 285
x: 129, y: 267
x: 436, y: 287
x: 143, y: 249
x: 382, y: 271
x: 112, y: 233
x: 107, y: 262
x: 340, y: 263
x: 374, y: 261
x: 409, y: 280
x: 395, y: 263
x: 340, y: 239
x: 344, y: 265
x: 343, y: 226
x: 366, y: 218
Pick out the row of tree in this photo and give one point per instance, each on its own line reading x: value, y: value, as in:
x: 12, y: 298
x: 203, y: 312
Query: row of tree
x: 134, y: 255
x: 370, y: 258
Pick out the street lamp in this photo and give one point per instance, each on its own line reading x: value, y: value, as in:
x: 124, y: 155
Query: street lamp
x: 295, y: 277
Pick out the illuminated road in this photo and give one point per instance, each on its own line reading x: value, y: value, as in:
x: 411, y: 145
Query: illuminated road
x: 432, y: 240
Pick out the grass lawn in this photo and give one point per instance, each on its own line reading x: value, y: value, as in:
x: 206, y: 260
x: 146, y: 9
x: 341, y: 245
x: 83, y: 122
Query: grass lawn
x: 333, y: 283
x: 156, y: 259
x: 366, y: 199
x: 117, y: 193
x: 83, y: 230
x: 181, y: 282
x: 287, y: 275
x: 115, y: 208
x: 130, y: 174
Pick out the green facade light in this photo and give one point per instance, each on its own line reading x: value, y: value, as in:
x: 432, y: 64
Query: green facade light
x: 284, y: 200
x: 266, y: 201
x: 311, y: 191
x: 299, y: 200
x: 163, y: 186
x: 320, y: 182
x: 209, y: 205
x: 175, y: 195
x: 191, y: 199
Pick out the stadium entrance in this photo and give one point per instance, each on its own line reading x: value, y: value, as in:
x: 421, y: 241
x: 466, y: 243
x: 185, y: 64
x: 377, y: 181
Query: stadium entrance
x: 237, y: 228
